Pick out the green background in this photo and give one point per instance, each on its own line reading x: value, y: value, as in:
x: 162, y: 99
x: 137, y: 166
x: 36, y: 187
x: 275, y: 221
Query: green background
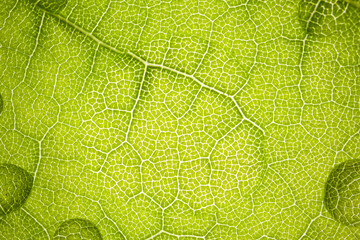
x: 179, y: 119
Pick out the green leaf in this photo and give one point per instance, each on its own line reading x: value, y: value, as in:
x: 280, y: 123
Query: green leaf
x: 179, y: 119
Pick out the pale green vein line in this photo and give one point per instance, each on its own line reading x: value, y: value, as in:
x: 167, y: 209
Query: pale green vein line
x: 90, y: 72
x: 200, y: 83
x: 152, y: 64
x: 8, y: 16
x: 27, y: 67
x: 311, y: 223
x: 175, y: 235
x: 37, y: 42
x: 312, y: 14
x: 102, y: 16
x: 47, y: 234
x: 33, y: 51
x: 111, y: 220
x: 83, y: 31
x: 136, y: 103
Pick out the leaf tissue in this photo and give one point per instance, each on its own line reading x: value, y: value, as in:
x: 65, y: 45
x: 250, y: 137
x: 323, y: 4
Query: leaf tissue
x: 182, y: 119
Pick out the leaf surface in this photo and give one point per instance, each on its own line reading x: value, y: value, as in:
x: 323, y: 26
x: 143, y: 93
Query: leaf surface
x: 179, y: 120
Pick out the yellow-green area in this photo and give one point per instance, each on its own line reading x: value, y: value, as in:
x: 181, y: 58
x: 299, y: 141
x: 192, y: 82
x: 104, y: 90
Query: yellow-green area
x: 179, y: 119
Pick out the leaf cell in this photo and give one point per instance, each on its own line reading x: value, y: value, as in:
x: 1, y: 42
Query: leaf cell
x: 342, y: 193
x: 77, y: 228
x: 15, y: 187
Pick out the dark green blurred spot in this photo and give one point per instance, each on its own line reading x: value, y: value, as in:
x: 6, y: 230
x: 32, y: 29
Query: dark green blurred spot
x: 15, y: 187
x: 342, y: 193
x: 77, y: 228
x: 322, y: 18
x: 355, y: 3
